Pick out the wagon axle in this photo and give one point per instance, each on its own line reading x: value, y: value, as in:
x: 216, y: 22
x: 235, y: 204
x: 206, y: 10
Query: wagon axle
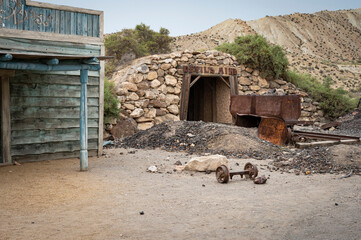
x: 223, y: 175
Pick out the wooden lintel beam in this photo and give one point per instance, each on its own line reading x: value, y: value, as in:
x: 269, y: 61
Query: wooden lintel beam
x: 44, y: 67
x: 194, y: 81
x: 225, y: 82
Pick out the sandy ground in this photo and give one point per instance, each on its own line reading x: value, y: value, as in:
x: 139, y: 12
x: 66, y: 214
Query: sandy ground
x: 53, y: 200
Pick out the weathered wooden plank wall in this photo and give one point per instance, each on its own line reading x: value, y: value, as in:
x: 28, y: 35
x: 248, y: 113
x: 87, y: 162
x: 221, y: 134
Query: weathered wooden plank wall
x: 51, y: 47
x: 45, y: 116
x: 16, y: 14
x: 1, y: 149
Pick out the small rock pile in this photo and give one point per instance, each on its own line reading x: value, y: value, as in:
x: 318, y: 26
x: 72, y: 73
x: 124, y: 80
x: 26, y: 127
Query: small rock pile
x: 352, y: 126
x: 198, y: 138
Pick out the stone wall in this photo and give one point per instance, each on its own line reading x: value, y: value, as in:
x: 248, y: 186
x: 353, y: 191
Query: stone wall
x: 149, y: 91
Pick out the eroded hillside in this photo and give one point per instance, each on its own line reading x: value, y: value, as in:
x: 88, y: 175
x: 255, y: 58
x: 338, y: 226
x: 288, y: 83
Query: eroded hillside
x: 326, y: 43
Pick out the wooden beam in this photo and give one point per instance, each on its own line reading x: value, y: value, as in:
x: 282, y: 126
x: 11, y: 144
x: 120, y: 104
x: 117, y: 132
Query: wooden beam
x: 225, y: 82
x: 14, y: 33
x: 5, y: 119
x: 62, y: 7
x: 45, y: 67
x: 91, y: 60
x: 101, y: 105
x: 326, y: 143
x: 234, y: 85
x: 194, y: 81
x: 83, y: 121
x: 185, y: 97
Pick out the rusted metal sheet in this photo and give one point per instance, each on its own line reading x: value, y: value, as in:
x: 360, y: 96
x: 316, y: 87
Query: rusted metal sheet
x: 273, y: 130
x: 287, y: 107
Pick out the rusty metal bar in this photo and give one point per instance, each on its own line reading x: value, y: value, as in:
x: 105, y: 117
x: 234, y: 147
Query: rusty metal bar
x: 313, y: 135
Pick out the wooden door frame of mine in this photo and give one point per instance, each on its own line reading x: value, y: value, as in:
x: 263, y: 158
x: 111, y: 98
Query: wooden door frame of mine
x: 5, y: 116
x: 187, y: 84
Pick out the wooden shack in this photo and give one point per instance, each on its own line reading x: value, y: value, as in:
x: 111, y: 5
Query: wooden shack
x: 51, y: 82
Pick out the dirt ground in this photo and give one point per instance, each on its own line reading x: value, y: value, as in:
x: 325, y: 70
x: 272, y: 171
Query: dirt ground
x: 53, y: 200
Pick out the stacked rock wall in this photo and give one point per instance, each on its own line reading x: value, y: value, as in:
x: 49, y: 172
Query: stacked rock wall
x: 150, y: 90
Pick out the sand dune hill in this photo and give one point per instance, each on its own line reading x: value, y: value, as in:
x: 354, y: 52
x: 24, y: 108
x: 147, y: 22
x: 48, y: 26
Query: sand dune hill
x: 225, y: 31
x: 326, y: 43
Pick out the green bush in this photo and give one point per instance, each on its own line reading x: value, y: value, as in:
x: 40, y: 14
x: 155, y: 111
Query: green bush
x: 141, y: 41
x: 111, y: 102
x: 255, y: 52
x: 334, y: 102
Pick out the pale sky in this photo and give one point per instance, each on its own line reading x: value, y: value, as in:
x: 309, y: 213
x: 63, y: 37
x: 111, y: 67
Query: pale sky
x: 183, y: 17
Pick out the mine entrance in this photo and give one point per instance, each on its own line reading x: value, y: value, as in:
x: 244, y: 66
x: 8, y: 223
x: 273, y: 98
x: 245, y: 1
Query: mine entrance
x: 209, y: 99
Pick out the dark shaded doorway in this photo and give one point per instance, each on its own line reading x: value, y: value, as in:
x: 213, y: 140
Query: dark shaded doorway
x: 209, y: 100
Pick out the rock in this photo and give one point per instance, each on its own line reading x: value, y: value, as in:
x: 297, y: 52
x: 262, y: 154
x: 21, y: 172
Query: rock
x: 132, y: 87
x: 165, y: 66
x: 151, y: 113
x: 160, y: 112
x: 155, y: 83
x: 145, y: 126
x: 124, y: 128
x: 280, y: 82
x: 254, y: 87
x: 152, y: 169
x: 144, y: 119
x: 129, y: 106
x: 143, y: 85
x: 137, y: 113
x: 138, y: 78
x: 273, y: 84
x: 263, y: 82
x: 170, y: 80
x: 255, y: 73
x: 172, y: 99
x: 204, y: 163
x: 133, y: 97
x: 157, y: 103
x: 160, y: 72
x: 178, y: 163
x: 170, y: 89
x: 152, y: 75
x: 166, y: 118
x: 142, y: 103
x: 249, y: 70
x: 184, y: 59
x: 163, y: 89
x: 150, y: 95
x: 143, y: 68
x: 109, y: 126
x: 121, y: 91
x: 173, y: 109
x: 245, y: 81
x: 177, y: 90
x: 260, y: 180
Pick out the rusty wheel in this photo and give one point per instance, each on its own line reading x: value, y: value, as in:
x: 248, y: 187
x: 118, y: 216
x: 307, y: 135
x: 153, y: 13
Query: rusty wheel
x: 253, y: 170
x: 222, y: 174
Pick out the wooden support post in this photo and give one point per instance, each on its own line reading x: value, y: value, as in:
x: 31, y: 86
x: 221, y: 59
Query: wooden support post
x: 185, y: 97
x: 5, y: 116
x: 83, y: 121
